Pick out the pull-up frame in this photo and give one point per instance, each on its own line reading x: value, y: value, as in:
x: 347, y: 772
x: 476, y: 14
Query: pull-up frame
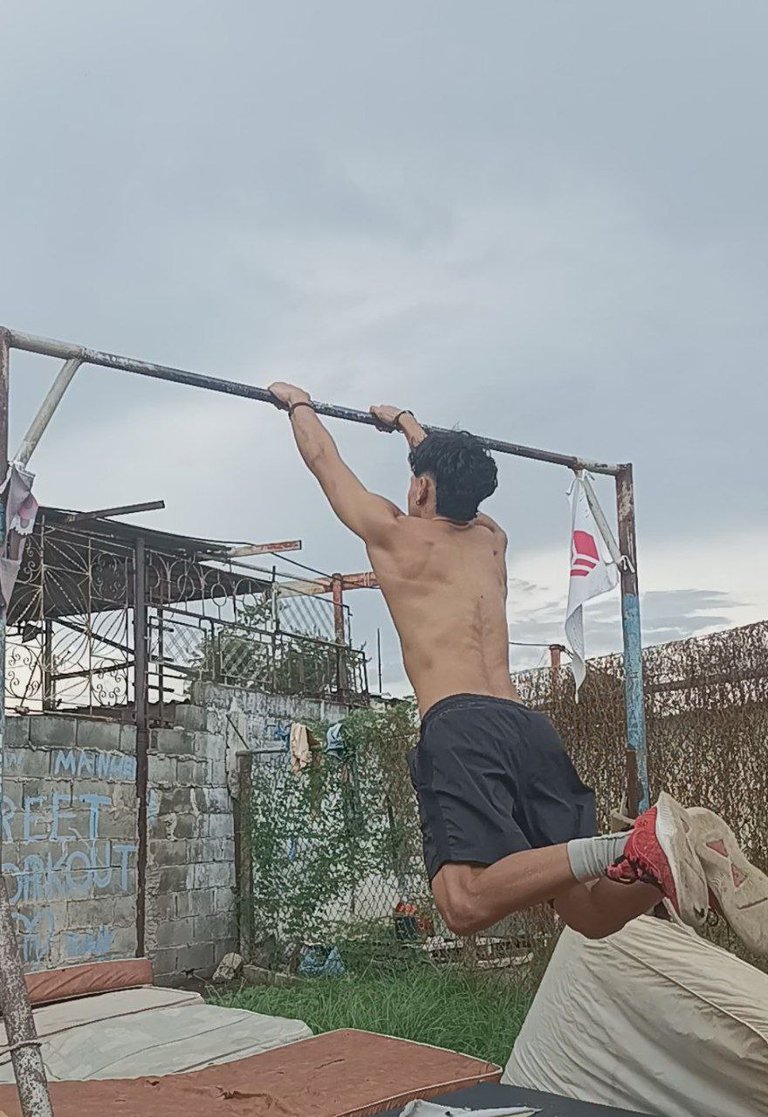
x: 75, y: 355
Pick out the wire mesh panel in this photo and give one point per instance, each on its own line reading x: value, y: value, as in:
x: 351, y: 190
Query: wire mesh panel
x: 706, y: 706
x: 308, y: 614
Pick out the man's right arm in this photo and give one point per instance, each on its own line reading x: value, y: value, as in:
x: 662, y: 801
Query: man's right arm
x: 366, y: 514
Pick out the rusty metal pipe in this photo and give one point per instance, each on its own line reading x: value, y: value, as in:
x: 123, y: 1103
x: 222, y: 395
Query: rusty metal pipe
x: 26, y: 1057
x: 638, y: 787
x: 68, y: 351
x: 47, y: 407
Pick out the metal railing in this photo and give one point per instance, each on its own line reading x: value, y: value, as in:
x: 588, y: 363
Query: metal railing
x: 186, y: 646
x: 72, y: 632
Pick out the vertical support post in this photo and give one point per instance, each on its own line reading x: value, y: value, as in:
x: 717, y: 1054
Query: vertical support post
x: 244, y: 854
x: 378, y: 656
x: 161, y: 663
x: 337, y: 590
x: 638, y: 791
x: 26, y: 1057
x: 340, y: 635
x: 275, y: 629
x: 555, y: 674
x: 141, y: 717
x: 49, y: 685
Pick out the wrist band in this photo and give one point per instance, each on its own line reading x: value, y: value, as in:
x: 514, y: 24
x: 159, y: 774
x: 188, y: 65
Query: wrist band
x: 398, y: 417
x: 301, y: 403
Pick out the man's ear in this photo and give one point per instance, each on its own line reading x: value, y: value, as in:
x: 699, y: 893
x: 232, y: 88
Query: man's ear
x: 422, y: 490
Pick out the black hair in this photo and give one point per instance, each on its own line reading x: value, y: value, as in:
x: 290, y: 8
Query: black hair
x: 462, y: 469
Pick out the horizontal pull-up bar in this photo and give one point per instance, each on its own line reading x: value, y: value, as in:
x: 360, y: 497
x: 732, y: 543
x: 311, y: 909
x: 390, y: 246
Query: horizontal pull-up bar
x: 69, y: 352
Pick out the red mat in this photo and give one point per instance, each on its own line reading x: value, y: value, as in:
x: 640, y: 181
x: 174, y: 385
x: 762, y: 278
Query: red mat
x: 340, y: 1074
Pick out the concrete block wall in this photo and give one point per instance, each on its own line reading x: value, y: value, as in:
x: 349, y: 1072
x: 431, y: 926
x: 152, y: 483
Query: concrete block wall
x: 69, y: 826
x: 69, y: 838
x: 262, y: 716
x: 191, y: 903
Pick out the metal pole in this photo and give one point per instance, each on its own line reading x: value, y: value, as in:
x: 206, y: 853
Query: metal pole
x: 47, y: 408
x: 27, y: 1059
x: 638, y: 790
x: 66, y: 350
x: 141, y: 698
x: 49, y: 687
x: 337, y: 590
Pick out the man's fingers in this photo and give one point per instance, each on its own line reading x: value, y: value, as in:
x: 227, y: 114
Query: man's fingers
x: 279, y: 403
x: 383, y: 422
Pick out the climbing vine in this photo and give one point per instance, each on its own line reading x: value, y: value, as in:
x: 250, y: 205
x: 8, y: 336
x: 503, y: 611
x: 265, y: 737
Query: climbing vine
x: 339, y: 839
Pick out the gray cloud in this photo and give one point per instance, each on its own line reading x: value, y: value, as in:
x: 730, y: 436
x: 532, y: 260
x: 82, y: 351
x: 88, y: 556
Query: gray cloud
x: 666, y: 615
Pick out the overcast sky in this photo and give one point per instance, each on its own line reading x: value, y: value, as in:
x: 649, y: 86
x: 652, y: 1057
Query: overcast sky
x: 545, y: 221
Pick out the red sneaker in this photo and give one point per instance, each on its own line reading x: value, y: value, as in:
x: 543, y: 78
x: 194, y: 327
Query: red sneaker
x: 660, y: 851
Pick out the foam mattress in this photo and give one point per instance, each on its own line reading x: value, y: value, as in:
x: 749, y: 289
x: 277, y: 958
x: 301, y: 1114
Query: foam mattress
x: 339, y: 1074
x: 148, y: 1031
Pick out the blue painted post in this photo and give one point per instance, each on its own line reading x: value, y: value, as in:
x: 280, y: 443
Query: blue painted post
x: 638, y: 790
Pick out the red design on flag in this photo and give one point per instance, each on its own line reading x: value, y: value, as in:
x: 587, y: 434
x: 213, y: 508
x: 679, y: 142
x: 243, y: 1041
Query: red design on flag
x: 584, y: 554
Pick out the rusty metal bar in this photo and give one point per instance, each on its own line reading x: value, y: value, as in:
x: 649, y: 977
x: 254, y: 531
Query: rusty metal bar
x: 638, y: 790
x: 26, y: 1057
x: 47, y: 407
x: 66, y: 350
x: 109, y: 513
x: 141, y: 714
x: 244, y: 550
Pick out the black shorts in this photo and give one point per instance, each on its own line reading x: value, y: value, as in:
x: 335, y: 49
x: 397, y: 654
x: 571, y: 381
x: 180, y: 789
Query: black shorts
x: 492, y: 778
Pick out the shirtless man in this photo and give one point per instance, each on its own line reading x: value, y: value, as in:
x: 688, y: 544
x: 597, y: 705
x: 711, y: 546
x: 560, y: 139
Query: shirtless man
x: 506, y: 821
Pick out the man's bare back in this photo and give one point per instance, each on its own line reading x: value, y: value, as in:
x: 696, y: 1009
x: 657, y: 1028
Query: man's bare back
x: 446, y: 587
x: 443, y: 577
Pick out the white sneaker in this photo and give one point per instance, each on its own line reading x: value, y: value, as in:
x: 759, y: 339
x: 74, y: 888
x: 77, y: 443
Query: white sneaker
x: 738, y: 886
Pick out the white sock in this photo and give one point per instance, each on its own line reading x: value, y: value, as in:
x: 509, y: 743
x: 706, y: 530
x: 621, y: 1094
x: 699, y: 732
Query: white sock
x: 590, y: 857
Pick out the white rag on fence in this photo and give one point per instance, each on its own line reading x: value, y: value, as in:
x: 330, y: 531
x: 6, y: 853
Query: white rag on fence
x: 591, y: 575
x: 20, y: 515
x: 429, y: 1109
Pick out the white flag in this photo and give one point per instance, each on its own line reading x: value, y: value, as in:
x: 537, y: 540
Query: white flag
x: 590, y: 576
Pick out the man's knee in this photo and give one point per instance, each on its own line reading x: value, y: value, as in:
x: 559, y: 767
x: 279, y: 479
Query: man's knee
x: 591, y: 930
x: 583, y: 918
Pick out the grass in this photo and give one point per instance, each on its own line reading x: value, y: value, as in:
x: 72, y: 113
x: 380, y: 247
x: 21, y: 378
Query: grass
x: 477, y: 1014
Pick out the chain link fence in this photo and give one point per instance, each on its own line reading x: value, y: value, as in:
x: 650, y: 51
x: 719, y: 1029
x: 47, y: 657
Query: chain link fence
x: 338, y: 877
x: 706, y: 708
